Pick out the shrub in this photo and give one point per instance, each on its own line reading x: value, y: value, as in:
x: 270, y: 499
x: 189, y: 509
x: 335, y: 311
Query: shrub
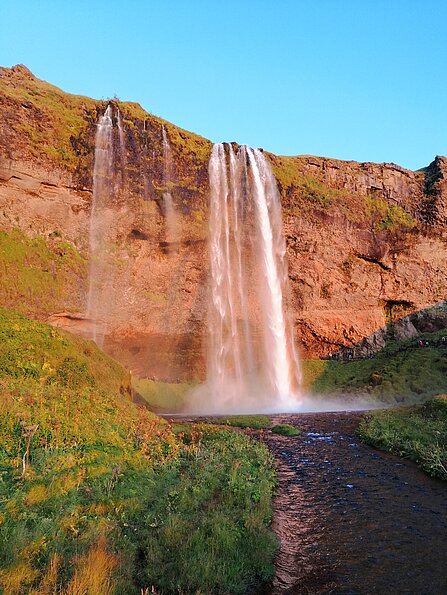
x: 286, y: 430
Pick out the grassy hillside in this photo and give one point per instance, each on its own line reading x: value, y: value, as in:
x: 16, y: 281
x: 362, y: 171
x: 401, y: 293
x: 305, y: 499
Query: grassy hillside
x: 162, y: 396
x: 98, y: 496
x: 402, y: 372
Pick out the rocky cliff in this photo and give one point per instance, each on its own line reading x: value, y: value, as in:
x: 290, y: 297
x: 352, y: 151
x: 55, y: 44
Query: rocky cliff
x: 366, y: 243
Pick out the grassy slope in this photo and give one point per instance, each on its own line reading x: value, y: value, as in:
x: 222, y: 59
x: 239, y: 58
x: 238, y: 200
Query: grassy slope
x: 96, y: 495
x: 162, y: 396
x: 401, y: 372
x: 49, y: 118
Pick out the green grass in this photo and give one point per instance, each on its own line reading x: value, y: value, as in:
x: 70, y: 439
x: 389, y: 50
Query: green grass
x: 312, y: 195
x: 255, y: 422
x: 399, y: 373
x: 40, y: 275
x: 162, y: 396
x: 55, y: 124
x: 286, y: 430
x: 97, y: 495
x: 418, y: 433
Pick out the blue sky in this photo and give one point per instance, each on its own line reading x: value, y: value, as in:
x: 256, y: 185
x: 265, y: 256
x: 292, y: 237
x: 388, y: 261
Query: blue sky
x: 346, y: 79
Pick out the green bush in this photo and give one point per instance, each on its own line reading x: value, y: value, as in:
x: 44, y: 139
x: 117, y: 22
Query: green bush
x: 286, y: 430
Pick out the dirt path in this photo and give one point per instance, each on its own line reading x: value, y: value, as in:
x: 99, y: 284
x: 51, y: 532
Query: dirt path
x: 352, y: 520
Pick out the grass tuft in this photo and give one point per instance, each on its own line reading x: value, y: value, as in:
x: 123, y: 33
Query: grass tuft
x: 286, y: 430
x: 255, y: 422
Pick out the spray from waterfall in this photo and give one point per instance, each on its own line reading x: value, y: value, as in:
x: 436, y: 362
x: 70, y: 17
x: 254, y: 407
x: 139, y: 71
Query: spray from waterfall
x: 98, y: 295
x: 252, y: 363
x: 170, y: 213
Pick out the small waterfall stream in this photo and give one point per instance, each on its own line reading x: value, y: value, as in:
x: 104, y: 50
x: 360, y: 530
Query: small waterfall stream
x: 122, y: 147
x: 99, y: 224
x: 171, y: 216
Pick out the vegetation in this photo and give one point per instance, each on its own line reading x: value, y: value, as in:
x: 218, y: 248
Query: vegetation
x: 54, y: 124
x: 419, y: 433
x: 99, y: 496
x: 162, y: 396
x: 255, y: 422
x: 402, y: 372
x: 313, y: 195
x: 39, y: 275
x: 286, y: 430
x: 49, y: 125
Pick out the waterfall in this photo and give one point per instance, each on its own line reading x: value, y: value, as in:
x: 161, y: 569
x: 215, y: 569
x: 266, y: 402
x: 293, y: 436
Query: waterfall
x: 122, y: 146
x: 252, y: 363
x: 98, y: 296
x: 279, y: 349
x: 171, y: 216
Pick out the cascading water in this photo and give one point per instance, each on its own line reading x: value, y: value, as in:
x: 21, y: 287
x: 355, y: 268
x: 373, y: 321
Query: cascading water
x: 99, y: 226
x: 171, y: 216
x: 279, y: 345
x: 122, y: 146
x: 252, y: 363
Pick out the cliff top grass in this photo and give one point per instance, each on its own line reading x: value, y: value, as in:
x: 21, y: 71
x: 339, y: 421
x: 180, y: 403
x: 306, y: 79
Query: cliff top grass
x: 96, y: 494
x: 313, y: 194
x: 60, y: 127
x: 55, y: 127
x: 43, y: 117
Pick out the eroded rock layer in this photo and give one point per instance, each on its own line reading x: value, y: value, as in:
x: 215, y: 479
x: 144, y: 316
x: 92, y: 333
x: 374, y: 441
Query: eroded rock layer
x: 366, y: 243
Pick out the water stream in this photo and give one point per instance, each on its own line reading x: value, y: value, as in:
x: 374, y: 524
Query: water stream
x: 353, y: 520
x: 100, y: 224
x: 173, y: 231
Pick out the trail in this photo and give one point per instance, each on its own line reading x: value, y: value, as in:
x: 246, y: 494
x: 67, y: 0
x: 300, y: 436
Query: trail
x: 352, y: 520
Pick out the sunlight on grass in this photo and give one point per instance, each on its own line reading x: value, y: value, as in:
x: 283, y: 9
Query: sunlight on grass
x: 162, y: 396
x: 97, y: 493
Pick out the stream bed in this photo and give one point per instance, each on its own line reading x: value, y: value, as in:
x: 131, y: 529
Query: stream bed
x: 350, y: 519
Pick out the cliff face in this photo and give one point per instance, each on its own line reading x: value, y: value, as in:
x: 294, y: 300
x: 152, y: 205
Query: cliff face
x: 366, y: 243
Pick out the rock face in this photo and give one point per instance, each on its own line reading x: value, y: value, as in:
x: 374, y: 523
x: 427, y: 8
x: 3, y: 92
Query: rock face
x: 366, y: 243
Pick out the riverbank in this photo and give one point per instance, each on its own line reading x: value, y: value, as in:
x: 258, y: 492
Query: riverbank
x: 418, y: 433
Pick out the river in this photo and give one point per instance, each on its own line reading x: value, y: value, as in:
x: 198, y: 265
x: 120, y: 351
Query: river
x: 352, y: 520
